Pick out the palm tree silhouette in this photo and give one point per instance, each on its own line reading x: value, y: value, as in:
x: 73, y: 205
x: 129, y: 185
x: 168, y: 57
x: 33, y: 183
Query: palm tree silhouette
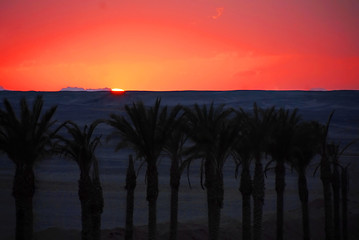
x: 281, y: 150
x: 80, y: 147
x: 261, y: 128
x: 130, y: 187
x: 334, y: 154
x: 26, y: 140
x: 174, y: 147
x: 213, y: 137
x: 254, y: 133
x: 307, y: 144
x: 243, y: 155
x: 326, y: 178
x: 146, y: 130
x: 344, y: 194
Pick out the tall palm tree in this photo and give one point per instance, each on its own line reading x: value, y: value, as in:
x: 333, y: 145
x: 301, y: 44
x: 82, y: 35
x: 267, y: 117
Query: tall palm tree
x: 97, y: 201
x: 334, y: 154
x: 80, y: 146
x: 175, y: 149
x: 243, y: 154
x: 281, y: 151
x: 130, y: 187
x: 326, y: 178
x: 25, y: 139
x: 307, y: 144
x: 261, y: 124
x: 146, y: 130
x: 344, y: 194
x: 213, y: 137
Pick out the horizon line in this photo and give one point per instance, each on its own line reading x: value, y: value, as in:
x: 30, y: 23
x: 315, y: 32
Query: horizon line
x: 189, y: 90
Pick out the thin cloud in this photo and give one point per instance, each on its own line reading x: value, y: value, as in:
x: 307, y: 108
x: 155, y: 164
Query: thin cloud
x: 219, y: 13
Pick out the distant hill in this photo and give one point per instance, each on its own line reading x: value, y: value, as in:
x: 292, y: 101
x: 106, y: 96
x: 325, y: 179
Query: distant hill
x: 77, y: 89
x: 318, y: 89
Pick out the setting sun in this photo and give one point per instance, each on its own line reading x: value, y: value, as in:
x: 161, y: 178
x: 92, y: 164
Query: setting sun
x: 117, y: 90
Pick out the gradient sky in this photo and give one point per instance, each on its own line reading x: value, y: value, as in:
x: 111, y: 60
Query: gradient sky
x: 46, y: 45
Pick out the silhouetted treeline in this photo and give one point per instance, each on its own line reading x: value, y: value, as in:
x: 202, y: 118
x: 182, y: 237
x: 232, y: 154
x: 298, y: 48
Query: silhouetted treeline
x: 208, y: 133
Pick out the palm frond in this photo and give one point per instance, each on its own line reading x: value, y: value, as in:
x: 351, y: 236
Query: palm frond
x: 28, y: 138
x: 80, y: 146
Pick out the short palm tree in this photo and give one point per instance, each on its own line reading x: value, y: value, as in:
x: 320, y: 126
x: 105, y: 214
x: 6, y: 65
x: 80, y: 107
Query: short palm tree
x: 213, y: 137
x: 146, y: 130
x: 25, y: 139
x: 80, y: 146
x: 307, y: 144
x: 281, y: 150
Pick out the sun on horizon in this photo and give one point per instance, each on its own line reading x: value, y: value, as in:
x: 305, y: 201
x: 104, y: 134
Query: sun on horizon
x: 117, y: 90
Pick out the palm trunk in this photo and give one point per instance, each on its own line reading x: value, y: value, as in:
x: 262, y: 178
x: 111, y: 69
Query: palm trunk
x: 215, y: 220
x: 345, y: 183
x: 152, y: 194
x: 279, y: 187
x: 175, y: 183
x: 220, y: 197
x: 130, y: 187
x: 97, y: 202
x: 258, y: 199
x: 325, y: 175
x: 303, y: 196
x: 213, y: 213
x: 336, y: 201
x: 23, y: 192
x: 96, y: 211
x: 246, y: 191
x: 85, y: 187
x: 214, y: 186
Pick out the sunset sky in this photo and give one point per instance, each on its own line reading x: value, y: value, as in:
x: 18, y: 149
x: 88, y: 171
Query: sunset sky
x: 47, y: 45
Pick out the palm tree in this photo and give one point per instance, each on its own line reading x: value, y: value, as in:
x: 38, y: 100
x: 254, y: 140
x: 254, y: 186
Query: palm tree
x: 326, y: 178
x: 97, y: 201
x: 80, y: 147
x: 344, y: 194
x: 243, y: 154
x: 307, y: 143
x: 281, y: 152
x: 26, y: 140
x: 174, y: 148
x: 146, y: 130
x: 213, y: 137
x: 130, y: 187
x: 334, y: 153
x: 260, y: 127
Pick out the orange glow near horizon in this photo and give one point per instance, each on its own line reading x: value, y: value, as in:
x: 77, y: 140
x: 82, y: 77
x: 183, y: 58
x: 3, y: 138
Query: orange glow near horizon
x: 117, y: 90
x: 188, y: 45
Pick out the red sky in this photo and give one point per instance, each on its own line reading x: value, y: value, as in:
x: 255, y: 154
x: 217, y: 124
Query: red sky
x: 46, y: 45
